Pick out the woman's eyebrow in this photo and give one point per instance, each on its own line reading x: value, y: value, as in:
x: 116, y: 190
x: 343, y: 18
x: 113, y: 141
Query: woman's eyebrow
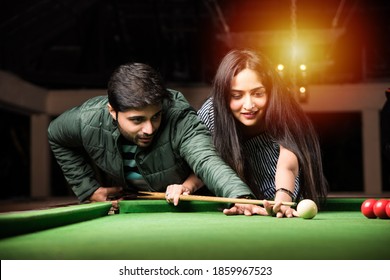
x: 253, y: 89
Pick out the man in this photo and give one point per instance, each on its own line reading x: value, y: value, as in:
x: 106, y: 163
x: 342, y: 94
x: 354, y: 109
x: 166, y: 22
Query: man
x: 142, y: 137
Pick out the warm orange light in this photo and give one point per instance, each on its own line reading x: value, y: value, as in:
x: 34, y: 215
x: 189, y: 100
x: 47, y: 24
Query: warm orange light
x: 302, y: 67
x: 280, y: 67
x: 302, y: 90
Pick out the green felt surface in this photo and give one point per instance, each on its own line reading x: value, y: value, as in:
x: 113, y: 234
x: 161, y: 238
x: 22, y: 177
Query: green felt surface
x: 142, y: 206
x: 174, y: 233
x: 343, y: 204
x: 30, y: 221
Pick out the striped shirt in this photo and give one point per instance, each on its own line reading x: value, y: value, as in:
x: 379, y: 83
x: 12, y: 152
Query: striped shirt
x: 263, y: 154
x: 132, y: 175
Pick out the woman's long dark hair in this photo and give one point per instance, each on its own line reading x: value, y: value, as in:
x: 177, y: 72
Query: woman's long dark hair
x: 285, y: 122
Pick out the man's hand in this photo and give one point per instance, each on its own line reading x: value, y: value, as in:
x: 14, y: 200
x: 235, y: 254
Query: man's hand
x: 104, y: 194
x: 173, y: 192
x: 246, y: 209
x: 189, y: 186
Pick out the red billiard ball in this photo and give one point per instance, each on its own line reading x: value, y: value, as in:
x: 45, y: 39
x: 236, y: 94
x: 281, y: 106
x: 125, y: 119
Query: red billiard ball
x: 367, y: 208
x: 380, y: 208
x: 388, y: 209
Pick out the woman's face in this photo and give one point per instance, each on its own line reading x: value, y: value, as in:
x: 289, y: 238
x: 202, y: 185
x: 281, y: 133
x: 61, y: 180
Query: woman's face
x: 248, y: 99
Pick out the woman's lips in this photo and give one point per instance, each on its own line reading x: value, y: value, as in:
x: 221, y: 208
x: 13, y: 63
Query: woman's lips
x: 249, y: 115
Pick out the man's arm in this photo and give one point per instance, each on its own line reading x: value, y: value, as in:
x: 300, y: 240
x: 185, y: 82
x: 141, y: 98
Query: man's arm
x: 65, y: 142
x: 195, y: 146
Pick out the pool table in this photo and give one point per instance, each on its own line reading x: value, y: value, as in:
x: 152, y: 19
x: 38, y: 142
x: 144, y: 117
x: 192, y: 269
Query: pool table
x: 153, y: 229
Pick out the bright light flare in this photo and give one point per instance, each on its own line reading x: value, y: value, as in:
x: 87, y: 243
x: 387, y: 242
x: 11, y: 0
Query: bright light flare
x: 280, y: 67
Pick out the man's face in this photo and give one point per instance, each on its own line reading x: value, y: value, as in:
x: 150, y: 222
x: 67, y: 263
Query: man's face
x: 139, y: 126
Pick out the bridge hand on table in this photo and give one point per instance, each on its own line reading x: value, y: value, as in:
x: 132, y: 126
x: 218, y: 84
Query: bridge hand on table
x: 245, y: 209
x: 278, y: 210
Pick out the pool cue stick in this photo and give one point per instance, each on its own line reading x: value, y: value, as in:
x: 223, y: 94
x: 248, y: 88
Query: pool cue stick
x: 161, y: 196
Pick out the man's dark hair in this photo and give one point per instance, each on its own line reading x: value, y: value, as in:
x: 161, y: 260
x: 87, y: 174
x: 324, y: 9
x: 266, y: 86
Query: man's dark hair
x: 135, y: 85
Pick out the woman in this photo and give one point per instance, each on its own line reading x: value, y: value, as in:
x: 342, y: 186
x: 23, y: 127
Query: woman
x: 262, y: 133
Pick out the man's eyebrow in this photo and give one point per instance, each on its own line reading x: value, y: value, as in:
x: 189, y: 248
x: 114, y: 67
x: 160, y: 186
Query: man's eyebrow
x: 136, y: 117
x: 142, y: 116
x: 159, y: 112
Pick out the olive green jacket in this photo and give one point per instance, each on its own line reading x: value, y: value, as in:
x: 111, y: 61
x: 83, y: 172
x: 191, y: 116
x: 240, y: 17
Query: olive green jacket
x: 85, y: 143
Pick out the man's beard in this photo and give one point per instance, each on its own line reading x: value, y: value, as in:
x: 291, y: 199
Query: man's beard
x: 142, y: 140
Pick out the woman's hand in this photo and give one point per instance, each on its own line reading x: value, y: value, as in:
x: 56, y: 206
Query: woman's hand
x: 278, y: 210
x: 245, y: 209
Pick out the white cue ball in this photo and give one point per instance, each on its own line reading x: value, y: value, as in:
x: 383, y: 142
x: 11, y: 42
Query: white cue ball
x: 307, y: 209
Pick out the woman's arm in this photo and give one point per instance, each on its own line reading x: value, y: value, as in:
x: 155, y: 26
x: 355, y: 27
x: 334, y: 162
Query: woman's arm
x: 287, y: 170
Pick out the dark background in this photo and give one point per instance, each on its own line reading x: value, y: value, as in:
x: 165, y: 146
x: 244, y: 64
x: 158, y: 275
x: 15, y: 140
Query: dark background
x: 77, y: 44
